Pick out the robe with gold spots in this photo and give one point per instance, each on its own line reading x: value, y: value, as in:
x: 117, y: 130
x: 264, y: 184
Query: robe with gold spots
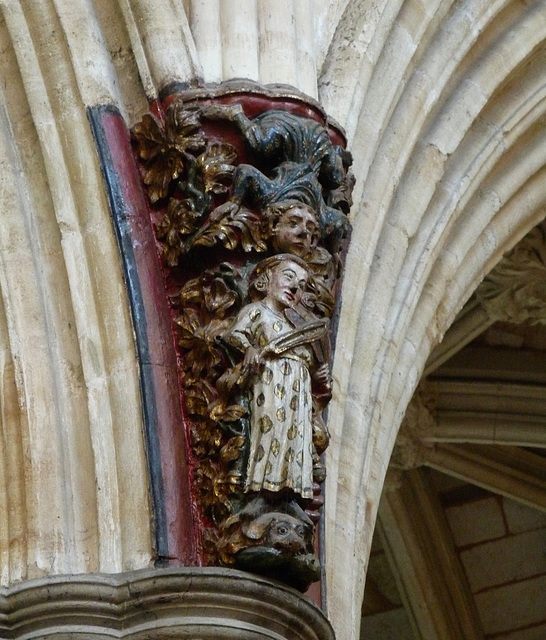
x: 280, y: 405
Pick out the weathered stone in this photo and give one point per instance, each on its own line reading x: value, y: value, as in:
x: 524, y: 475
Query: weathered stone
x: 200, y: 603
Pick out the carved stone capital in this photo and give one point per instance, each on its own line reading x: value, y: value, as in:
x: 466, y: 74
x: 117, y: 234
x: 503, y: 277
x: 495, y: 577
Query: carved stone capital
x: 208, y: 604
x: 515, y: 291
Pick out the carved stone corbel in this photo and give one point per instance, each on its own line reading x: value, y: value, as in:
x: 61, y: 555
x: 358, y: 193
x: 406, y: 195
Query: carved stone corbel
x: 514, y: 291
x: 249, y: 198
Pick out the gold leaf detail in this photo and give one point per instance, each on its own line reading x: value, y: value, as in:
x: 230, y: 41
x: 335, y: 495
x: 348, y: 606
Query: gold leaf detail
x: 265, y: 424
x: 216, y: 167
x: 227, y: 223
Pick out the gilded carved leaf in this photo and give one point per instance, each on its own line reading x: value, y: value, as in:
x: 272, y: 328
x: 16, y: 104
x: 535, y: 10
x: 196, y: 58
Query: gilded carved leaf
x: 205, y: 475
x: 227, y: 224
x: 183, y: 128
x: 181, y: 219
x: 150, y: 136
x: 163, y: 147
x: 213, y: 293
x: 199, y: 341
x: 162, y: 162
x: 197, y: 400
x: 216, y: 488
x: 188, y: 324
x: 175, y: 152
x: 223, y: 413
x: 205, y: 303
x: 219, y: 298
x: 190, y: 294
x: 233, y: 449
x: 203, y: 436
x: 216, y: 167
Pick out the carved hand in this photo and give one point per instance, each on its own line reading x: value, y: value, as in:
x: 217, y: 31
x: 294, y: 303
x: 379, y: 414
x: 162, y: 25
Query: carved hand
x: 251, y: 360
x: 322, y: 378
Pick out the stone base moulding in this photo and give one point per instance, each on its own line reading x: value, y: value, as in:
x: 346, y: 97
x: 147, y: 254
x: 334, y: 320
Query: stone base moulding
x: 172, y: 603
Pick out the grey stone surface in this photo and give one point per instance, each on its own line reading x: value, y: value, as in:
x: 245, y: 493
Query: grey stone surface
x: 520, y: 518
x: 476, y: 521
x: 198, y: 603
x: 522, y: 604
x: 508, y: 559
x: 387, y: 625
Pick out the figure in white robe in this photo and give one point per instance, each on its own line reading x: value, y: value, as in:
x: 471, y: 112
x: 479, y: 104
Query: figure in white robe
x: 280, y: 366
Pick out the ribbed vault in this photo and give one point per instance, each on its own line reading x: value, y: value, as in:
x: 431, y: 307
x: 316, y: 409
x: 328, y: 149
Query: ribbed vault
x: 443, y: 103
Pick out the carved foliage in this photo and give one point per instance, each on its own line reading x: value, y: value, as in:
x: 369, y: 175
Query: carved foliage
x: 179, y: 163
x: 206, y: 304
x: 515, y: 291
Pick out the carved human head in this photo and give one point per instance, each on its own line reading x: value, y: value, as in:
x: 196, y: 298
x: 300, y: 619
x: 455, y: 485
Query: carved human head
x: 279, y: 280
x: 292, y: 227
